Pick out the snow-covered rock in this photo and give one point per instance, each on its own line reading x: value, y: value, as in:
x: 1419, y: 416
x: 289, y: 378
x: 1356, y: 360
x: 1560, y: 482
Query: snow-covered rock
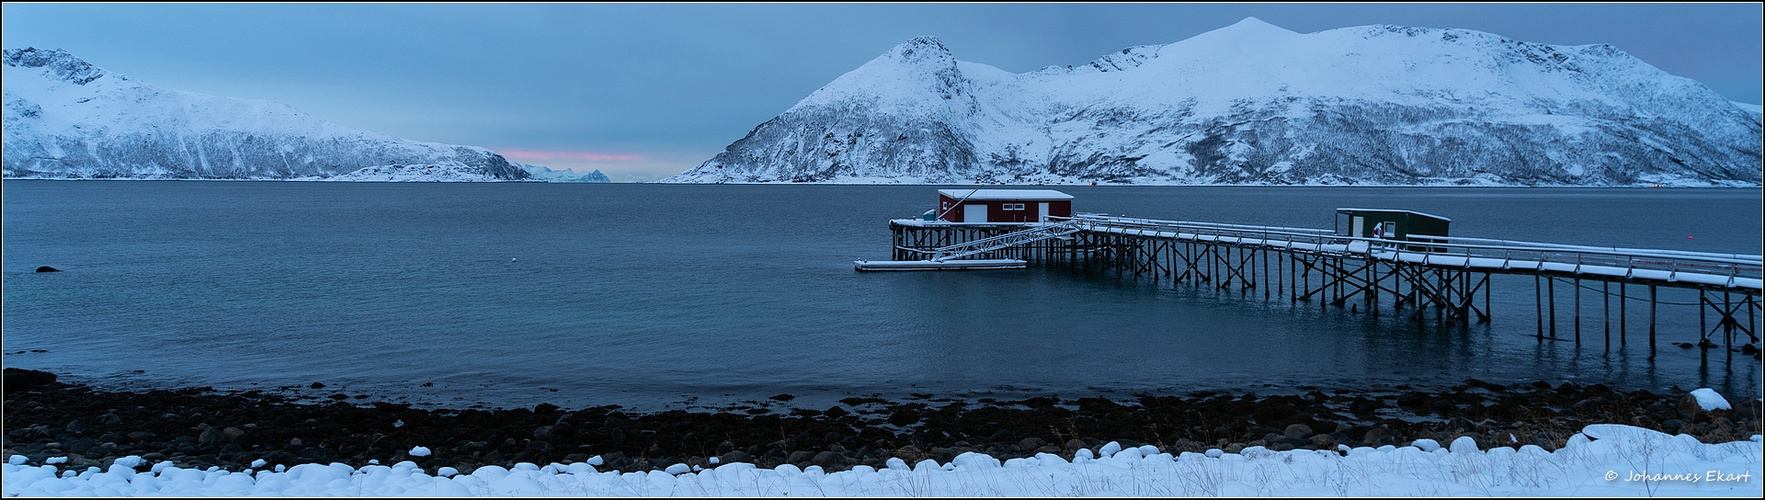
x: 65, y: 118
x: 565, y: 175
x: 1253, y: 103
x: 1710, y: 400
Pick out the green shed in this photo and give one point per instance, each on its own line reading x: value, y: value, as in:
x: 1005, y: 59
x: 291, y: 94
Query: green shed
x: 1390, y: 224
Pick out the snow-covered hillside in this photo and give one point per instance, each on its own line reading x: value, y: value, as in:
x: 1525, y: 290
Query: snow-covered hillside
x: 1253, y: 103
x: 65, y: 118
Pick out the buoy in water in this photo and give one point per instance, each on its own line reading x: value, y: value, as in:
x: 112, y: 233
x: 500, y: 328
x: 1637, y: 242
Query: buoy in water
x: 511, y: 259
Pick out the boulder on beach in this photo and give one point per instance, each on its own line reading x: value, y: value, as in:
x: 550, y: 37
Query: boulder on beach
x: 1709, y: 400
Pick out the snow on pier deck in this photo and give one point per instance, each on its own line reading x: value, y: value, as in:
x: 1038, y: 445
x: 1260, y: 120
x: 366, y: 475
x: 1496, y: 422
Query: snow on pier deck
x: 1413, y: 273
x: 1661, y: 267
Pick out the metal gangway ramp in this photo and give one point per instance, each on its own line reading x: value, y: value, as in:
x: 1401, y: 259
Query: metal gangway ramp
x: 1034, y: 234
x: 950, y: 256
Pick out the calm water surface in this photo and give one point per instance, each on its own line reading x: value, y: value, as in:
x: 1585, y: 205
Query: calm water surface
x: 650, y: 296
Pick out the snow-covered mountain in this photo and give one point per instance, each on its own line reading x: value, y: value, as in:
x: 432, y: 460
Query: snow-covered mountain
x: 565, y: 175
x: 1253, y: 103
x: 66, y: 118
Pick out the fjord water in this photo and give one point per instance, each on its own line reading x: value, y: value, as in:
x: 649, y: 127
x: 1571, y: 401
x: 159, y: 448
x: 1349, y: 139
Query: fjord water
x: 650, y: 296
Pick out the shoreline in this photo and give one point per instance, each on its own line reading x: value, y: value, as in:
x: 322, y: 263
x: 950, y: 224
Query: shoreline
x: 201, y: 428
x: 1451, y: 183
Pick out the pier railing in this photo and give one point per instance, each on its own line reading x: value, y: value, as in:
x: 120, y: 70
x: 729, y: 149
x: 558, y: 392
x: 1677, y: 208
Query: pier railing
x: 1698, y: 268
x: 1410, y: 274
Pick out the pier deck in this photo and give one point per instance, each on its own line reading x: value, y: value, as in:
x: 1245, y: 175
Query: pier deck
x: 1418, y: 272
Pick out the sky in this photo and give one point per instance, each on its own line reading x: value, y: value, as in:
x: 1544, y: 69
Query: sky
x: 644, y: 91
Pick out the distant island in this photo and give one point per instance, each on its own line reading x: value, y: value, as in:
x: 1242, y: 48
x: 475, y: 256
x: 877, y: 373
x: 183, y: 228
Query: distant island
x: 565, y: 175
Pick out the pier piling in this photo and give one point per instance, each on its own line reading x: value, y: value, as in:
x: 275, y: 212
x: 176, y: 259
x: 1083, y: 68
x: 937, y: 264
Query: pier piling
x: 1442, y: 273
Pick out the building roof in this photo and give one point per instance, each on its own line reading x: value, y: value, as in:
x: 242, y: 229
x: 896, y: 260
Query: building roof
x: 1390, y: 210
x: 1005, y: 194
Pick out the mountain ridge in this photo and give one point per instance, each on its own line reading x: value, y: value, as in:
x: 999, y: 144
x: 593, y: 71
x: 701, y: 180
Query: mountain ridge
x: 1255, y: 104
x: 66, y: 118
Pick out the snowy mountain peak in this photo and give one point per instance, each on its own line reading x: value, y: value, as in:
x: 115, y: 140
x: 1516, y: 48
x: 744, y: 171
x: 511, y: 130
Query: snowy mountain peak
x: 1248, y: 31
x: 1253, y: 27
x: 105, y: 125
x: 912, y: 78
x: 922, y: 50
x: 1128, y: 58
x: 62, y: 65
x: 1253, y: 103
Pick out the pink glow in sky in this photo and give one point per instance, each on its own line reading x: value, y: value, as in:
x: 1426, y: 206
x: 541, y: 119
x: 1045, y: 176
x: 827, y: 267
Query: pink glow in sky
x: 538, y: 155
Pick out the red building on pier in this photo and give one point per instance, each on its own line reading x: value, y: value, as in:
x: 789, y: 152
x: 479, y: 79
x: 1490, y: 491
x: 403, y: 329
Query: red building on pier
x: 1002, y: 205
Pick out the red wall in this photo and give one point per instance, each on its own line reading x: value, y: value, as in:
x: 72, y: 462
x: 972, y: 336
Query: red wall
x: 997, y: 213
x: 949, y: 214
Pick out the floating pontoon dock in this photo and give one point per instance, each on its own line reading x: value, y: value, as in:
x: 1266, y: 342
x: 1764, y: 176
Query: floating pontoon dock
x: 938, y: 265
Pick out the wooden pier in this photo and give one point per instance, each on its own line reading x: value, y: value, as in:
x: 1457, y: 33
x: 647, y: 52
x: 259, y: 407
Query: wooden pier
x: 1447, y: 279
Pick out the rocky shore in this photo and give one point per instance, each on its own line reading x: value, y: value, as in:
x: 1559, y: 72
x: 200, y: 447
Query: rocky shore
x: 202, y: 428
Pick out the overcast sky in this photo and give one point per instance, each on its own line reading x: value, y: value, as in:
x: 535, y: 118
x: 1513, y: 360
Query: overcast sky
x: 642, y: 91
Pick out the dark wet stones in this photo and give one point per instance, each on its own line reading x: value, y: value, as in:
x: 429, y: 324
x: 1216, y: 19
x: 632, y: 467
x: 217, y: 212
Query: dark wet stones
x: 1506, y: 438
x: 1274, y: 413
x: 1364, y: 407
x: 910, y: 453
x: 1375, y: 437
x: 202, y: 427
x: 210, y: 436
x: 21, y: 380
x: 904, y: 416
x: 829, y: 460
x: 1592, y: 406
x: 1298, y: 431
x: 234, y: 435
x: 735, y: 456
x: 1412, y: 400
x: 1689, y: 409
x: 1442, y: 406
